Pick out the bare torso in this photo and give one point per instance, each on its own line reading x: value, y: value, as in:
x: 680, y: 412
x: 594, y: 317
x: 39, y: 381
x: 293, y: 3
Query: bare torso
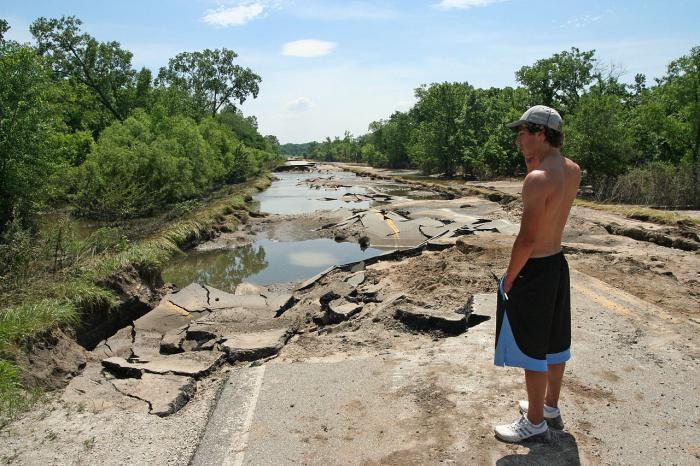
x: 563, y: 177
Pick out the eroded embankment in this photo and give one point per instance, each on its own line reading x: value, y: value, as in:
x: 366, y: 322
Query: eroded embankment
x: 113, y: 290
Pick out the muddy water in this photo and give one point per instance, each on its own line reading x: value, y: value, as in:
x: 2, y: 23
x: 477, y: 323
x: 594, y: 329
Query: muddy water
x: 263, y: 262
x: 289, y: 194
x: 266, y: 261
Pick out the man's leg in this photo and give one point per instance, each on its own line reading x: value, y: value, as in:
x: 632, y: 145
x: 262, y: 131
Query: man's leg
x: 536, y: 384
x: 555, y: 373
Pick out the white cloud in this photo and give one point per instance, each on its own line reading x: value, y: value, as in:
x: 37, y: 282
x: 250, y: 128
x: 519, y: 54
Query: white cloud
x: 234, y: 16
x: 579, y: 22
x: 345, y: 97
x: 307, y: 48
x: 464, y: 4
x: 301, y: 104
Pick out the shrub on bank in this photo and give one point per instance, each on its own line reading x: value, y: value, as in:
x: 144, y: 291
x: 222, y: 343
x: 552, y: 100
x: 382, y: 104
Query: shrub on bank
x: 144, y: 164
x: 657, y: 184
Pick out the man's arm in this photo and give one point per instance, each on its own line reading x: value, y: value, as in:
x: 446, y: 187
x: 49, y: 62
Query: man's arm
x: 535, y: 189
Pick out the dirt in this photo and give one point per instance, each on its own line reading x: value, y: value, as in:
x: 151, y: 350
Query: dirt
x: 53, y: 360
x: 666, y: 276
x: 644, y: 331
x: 137, y: 289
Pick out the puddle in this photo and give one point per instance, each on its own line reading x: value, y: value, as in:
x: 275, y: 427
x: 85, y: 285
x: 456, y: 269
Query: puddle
x: 263, y: 262
x: 291, y: 195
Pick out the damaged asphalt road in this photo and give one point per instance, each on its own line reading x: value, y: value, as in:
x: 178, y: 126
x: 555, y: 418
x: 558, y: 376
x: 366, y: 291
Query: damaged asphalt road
x: 388, y: 360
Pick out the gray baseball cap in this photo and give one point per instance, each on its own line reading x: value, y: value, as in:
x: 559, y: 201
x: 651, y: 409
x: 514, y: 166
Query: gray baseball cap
x: 539, y: 115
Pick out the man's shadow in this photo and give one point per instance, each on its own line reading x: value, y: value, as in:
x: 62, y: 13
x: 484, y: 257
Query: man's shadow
x: 561, y: 450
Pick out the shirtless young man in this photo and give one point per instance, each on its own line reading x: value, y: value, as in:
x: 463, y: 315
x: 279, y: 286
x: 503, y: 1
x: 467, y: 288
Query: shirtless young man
x: 533, y: 321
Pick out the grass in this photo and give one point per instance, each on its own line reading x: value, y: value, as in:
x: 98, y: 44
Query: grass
x: 41, y: 300
x: 13, y: 398
x: 18, y: 323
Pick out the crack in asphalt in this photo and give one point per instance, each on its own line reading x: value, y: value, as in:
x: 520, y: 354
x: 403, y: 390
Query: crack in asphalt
x: 181, y: 307
x: 150, y: 406
x: 133, y: 342
x: 208, y: 294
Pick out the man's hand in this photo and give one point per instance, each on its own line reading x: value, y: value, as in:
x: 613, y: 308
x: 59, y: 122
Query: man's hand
x: 504, y: 289
x: 507, y: 284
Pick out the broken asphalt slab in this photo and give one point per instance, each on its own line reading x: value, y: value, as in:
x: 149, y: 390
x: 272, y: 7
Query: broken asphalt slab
x: 164, y: 317
x: 118, y: 344
x: 165, y: 394
x: 252, y: 346
x: 424, y: 318
x: 171, y: 326
x: 356, y: 279
x: 192, y: 364
x: 197, y: 298
x: 340, y: 310
x: 389, y: 229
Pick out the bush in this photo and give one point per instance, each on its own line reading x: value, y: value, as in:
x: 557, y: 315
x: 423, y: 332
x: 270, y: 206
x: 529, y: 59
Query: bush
x: 15, y: 253
x: 658, y: 184
x: 140, y: 165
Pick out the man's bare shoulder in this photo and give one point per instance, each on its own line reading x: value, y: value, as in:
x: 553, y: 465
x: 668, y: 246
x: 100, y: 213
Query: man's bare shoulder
x: 572, y: 166
x: 537, y: 181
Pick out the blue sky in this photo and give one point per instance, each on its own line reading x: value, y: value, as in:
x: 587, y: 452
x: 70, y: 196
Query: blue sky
x: 330, y: 66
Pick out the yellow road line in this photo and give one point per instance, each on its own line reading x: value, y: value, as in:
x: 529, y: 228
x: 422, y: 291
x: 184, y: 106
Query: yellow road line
x: 178, y: 309
x: 611, y: 305
x: 630, y: 299
x: 391, y: 224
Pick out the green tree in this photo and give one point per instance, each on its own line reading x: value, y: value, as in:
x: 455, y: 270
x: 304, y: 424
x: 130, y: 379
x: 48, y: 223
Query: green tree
x: 4, y: 27
x: 143, y: 89
x: 211, y: 79
x: 246, y: 128
x: 27, y: 123
x: 371, y: 156
x: 395, y: 137
x: 558, y: 81
x: 296, y: 150
x: 437, y: 143
x: 140, y: 164
x: 597, y: 136
x: 103, y: 67
x: 272, y: 143
x: 502, y: 106
x: 681, y: 85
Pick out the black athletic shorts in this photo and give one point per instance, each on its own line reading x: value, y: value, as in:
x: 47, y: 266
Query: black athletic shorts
x: 533, y: 325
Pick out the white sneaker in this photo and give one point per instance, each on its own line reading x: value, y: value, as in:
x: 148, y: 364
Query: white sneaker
x: 551, y: 415
x: 523, y: 429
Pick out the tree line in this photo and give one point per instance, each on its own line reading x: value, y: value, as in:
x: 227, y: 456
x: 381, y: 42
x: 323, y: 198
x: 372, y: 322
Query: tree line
x: 81, y: 128
x: 636, y: 142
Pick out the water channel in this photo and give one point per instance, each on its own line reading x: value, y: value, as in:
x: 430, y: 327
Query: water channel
x: 267, y: 261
